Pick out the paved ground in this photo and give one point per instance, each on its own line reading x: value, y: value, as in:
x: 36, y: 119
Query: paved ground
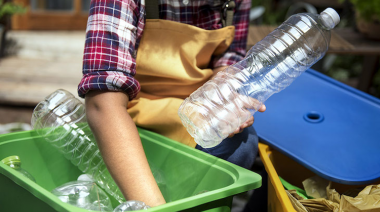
x: 37, y: 63
x: 26, y: 81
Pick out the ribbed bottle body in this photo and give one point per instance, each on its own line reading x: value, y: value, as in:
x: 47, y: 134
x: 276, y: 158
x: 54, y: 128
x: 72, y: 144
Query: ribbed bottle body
x: 61, y: 120
x: 228, y: 100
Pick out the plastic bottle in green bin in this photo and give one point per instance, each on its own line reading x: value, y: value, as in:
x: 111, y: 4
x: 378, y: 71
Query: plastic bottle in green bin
x: 15, y: 163
x: 61, y: 120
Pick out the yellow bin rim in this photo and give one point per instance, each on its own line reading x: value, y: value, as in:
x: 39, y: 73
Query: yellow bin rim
x: 265, y: 151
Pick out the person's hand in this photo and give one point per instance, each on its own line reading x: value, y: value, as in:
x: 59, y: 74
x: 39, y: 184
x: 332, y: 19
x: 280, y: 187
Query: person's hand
x: 248, y: 123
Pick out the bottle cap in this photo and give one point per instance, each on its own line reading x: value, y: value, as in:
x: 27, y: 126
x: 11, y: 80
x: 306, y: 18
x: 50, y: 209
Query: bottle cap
x: 333, y: 14
x: 14, y: 159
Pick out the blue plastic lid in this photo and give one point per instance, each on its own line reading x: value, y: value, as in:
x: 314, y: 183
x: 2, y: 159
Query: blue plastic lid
x: 328, y: 127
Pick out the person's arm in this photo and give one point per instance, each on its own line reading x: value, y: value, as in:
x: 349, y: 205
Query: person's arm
x: 108, y: 84
x: 120, y: 146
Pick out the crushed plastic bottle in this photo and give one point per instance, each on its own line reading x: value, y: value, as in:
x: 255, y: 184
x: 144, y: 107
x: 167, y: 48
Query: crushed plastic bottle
x: 84, y: 194
x: 61, y: 120
x: 225, y: 102
x: 160, y: 178
x: 131, y: 205
x: 15, y: 163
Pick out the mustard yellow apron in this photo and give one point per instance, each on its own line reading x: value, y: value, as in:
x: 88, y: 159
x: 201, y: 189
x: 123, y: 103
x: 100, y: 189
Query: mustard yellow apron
x: 172, y: 62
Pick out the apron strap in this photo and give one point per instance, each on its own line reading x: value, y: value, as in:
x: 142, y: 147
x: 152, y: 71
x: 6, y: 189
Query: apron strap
x: 228, y: 13
x: 152, y: 9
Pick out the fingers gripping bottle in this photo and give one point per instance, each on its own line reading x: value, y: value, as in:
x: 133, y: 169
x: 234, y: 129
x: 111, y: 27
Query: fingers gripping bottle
x: 228, y: 100
x: 61, y: 120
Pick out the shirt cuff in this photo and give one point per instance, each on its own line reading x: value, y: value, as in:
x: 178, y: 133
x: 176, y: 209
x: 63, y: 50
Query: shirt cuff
x: 109, y: 81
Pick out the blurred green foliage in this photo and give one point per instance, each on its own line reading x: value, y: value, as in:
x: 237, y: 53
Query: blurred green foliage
x: 345, y: 67
x: 369, y: 10
x: 9, y: 8
x: 275, y: 11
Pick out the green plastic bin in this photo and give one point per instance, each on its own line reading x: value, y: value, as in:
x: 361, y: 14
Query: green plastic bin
x: 195, y: 180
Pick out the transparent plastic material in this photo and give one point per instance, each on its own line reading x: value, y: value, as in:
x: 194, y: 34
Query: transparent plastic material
x: 160, y: 179
x: 132, y: 205
x: 225, y: 102
x: 61, y: 120
x: 15, y: 163
x: 84, y: 194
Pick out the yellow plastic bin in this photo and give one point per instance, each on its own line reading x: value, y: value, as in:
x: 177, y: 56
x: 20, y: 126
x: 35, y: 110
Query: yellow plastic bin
x: 277, y: 164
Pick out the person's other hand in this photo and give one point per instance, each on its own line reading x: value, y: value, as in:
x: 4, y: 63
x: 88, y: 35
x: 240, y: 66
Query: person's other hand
x: 248, y: 123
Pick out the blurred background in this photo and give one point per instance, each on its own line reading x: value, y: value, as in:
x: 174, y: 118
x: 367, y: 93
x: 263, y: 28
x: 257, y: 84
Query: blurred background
x: 42, y: 45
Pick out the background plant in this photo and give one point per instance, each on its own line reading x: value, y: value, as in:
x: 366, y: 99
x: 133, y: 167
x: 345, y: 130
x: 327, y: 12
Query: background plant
x: 369, y: 10
x: 9, y: 8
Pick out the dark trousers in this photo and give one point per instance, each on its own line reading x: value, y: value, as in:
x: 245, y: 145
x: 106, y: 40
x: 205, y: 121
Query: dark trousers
x: 242, y: 150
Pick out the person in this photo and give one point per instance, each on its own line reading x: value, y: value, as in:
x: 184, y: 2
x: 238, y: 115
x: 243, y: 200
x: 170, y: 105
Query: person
x: 137, y: 71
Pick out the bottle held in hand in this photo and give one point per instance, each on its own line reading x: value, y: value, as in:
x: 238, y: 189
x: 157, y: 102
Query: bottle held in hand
x: 224, y: 103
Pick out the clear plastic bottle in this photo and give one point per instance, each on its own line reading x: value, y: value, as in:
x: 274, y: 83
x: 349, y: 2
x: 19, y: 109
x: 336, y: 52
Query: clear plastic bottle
x: 15, y: 163
x: 84, y: 194
x: 61, y: 120
x: 224, y: 103
x: 131, y: 205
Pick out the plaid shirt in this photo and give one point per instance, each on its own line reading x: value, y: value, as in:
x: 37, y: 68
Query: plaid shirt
x: 115, y: 27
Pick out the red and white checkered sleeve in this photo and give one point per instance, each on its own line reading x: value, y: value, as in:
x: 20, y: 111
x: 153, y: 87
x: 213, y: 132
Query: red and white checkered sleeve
x: 113, y: 30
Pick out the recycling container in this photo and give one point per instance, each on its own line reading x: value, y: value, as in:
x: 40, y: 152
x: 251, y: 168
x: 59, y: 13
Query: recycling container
x: 328, y: 127
x: 319, y: 126
x: 195, y: 180
x: 277, y: 164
